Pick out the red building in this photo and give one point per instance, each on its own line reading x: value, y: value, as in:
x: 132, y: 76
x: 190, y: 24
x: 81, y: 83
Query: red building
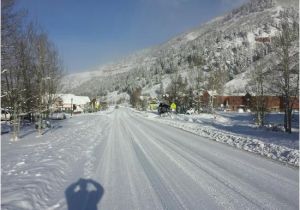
x: 246, y: 101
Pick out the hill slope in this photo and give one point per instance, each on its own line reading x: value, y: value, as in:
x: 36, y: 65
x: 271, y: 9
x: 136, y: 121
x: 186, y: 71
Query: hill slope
x: 233, y: 42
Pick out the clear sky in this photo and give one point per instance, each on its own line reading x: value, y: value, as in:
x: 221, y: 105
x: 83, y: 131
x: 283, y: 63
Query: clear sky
x: 89, y: 33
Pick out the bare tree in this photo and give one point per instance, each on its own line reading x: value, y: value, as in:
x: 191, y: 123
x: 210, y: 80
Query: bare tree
x: 135, y: 94
x: 257, y: 86
x: 48, y: 73
x: 11, y: 88
x: 177, y: 91
x: 161, y: 91
x: 196, y: 80
x: 216, y: 81
x: 286, y: 73
x: 28, y: 60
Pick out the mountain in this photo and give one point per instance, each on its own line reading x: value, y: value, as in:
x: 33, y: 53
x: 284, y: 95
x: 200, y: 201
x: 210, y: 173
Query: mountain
x: 234, y: 43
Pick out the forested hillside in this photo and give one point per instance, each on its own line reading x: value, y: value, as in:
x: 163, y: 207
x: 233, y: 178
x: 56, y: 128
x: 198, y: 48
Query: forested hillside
x: 218, y: 55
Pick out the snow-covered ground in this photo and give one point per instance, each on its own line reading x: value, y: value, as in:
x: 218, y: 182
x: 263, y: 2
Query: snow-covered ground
x: 120, y: 160
x: 239, y: 130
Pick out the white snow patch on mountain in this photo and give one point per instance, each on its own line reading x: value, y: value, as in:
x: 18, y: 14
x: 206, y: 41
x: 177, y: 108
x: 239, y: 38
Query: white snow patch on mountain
x: 191, y: 36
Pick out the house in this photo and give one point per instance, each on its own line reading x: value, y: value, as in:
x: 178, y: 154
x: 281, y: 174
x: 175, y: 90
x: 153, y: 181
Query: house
x: 66, y: 102
x: 234, y: 102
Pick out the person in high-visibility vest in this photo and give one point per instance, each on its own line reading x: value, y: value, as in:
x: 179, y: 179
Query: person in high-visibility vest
x: 173, y: 107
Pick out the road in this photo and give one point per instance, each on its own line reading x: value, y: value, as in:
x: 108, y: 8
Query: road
x: 142, y: 164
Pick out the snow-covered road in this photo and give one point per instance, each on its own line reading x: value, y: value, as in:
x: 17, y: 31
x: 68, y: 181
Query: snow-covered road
x: 129, y: 162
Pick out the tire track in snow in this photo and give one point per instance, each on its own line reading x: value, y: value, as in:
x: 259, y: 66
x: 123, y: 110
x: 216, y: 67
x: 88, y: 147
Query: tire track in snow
x: 186, y: 195
x: 125, y: 184
x: 221, y: 174
x: 159, y: 158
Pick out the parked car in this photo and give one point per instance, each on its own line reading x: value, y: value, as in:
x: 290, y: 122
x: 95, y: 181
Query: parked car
x: 5, y: 114
x: 57, y: 116
x: 163, y: 108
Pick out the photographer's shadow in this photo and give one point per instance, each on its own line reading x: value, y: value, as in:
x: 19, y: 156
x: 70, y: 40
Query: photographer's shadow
x: 84, y: 195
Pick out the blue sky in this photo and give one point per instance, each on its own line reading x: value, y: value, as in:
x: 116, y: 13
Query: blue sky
x: 89, y: 33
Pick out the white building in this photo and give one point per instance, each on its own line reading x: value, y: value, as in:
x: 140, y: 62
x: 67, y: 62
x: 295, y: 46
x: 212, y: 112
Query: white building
x: 66, y: 101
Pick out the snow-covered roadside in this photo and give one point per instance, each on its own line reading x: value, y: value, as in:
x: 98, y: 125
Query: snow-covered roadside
x: 260, y: 145
x: 36, y: 170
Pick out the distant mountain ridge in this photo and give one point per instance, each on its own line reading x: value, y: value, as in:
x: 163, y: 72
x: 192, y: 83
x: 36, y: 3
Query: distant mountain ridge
x: 230, y: 42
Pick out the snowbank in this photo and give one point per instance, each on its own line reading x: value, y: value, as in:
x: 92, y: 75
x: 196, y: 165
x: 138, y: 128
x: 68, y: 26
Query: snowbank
x: 203, y: 126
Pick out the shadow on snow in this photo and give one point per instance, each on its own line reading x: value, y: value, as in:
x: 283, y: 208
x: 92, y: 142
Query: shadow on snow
x: 84, y: 194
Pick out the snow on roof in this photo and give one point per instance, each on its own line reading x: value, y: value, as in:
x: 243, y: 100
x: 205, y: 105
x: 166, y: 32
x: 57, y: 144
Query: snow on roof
x: 212, y: 92
x: 80, y: 100
x: 215, y: 93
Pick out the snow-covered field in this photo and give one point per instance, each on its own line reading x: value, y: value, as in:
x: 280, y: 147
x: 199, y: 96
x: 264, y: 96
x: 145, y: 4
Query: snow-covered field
x: 120, y: 160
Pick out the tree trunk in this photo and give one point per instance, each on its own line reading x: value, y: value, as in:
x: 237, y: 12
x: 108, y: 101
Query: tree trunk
x: 287, y: 116
x: 289, y: 121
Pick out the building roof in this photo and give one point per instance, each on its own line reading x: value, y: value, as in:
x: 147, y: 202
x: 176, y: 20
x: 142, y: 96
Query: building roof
x: 79, y: 100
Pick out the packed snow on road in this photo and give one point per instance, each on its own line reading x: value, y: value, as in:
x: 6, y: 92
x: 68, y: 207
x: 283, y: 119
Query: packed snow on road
x: 124, y: 159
